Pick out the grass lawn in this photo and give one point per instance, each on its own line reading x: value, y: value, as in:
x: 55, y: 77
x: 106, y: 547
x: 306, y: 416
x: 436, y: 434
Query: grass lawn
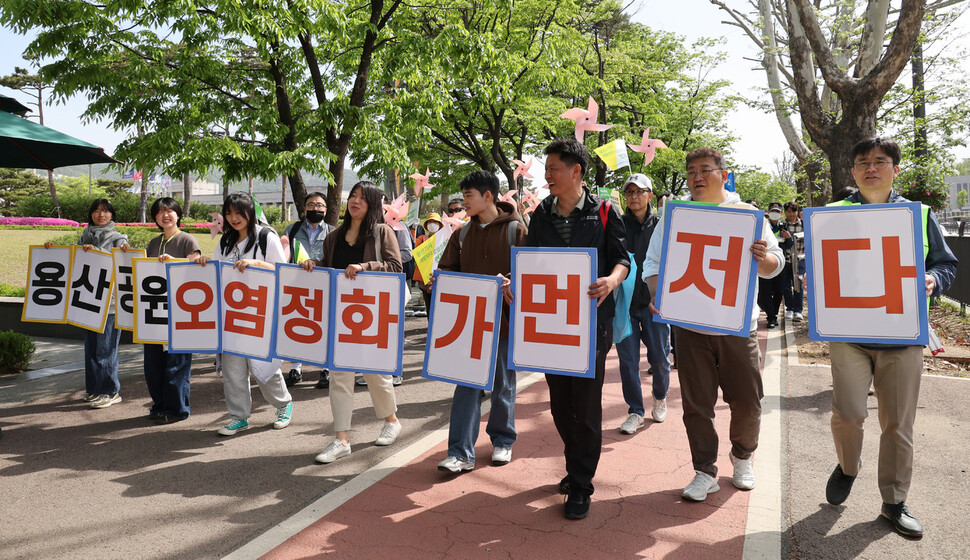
x: 14, y: 254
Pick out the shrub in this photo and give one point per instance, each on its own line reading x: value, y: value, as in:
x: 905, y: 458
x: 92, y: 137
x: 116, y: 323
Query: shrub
x: 16, y: 349
x: 9, y: 290
x: 200, y: 211
x: 37, y: 222
x: 67, y: 239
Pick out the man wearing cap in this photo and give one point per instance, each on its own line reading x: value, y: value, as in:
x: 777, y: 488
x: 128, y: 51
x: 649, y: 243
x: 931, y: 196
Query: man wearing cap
x: 640, y: 224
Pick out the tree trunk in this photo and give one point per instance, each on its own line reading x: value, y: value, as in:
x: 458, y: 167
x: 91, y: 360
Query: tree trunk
x: 920, y: 140
x: 334, y: 190
x: 50, y: 182
x: 143, y: 201
x: 187, y: 194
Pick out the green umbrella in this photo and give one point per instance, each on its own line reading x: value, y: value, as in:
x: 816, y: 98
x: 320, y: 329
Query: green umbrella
x: 11, y: 105
x: 26, y: 144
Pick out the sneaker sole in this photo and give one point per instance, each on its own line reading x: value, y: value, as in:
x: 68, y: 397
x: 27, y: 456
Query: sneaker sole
x: 280, y: 425
x: 322, y: 462
x: 223, y: 432
x: 459, y: 470
x: 500, y: 463
x: 630, y: 432
x: 710, y: 491
x: 105, y: 404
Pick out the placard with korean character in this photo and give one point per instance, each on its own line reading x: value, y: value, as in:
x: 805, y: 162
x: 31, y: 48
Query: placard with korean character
x: 708, y: 274
x: 368, y: 323
x: 48, y: 280
x: 123, y: 281
x: 865, y: 271
x: 463, y: 329
x: 303, y: 315
x: 194, y: 322
x: 151, y: 300
x: 89, y: 301
x: 553, y: 322
x: 247, y: 305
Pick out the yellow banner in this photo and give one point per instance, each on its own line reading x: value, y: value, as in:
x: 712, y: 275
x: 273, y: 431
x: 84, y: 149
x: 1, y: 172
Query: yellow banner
x: 424, y: 257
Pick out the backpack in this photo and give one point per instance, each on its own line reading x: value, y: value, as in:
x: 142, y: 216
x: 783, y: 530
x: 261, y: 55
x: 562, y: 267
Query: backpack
x: 511, y: 230
x: 262, y: 237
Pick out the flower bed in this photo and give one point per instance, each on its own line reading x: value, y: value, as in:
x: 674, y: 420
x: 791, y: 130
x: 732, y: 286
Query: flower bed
x: 36, y: 222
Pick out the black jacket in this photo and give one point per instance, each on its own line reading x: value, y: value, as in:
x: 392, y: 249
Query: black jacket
x: 637, y: 241
x: 609, y: 241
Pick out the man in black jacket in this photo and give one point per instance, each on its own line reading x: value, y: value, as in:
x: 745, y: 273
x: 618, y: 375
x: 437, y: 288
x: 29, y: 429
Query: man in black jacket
x: 571, y: 217
x: 640, y: 225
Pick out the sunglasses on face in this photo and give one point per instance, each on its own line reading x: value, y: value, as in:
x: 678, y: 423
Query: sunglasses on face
x: 453, y: 210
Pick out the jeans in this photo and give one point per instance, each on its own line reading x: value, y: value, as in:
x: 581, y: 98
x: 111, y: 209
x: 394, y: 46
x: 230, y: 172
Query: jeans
x: 101, y: 360
x: 656, y: 337
x: 793, y: 297
x: 466, y: 411
x: 167, y: 376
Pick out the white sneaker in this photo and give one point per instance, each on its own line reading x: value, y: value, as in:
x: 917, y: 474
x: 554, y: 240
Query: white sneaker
x: 334, y: 451
x: 698, y: 489
x: 659, y: 412
x: 455, y: 465
x: 789, y: 314
x: 389, y: 433
x: 799, y: 318
x: 501, y: 456
x: 743, y: 473
x: 632, y: 423
x: 104, y: 401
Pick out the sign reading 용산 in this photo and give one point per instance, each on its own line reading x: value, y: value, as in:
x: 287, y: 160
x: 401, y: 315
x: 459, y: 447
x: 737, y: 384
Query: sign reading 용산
x: 708, y: 274
x: 866, y: 274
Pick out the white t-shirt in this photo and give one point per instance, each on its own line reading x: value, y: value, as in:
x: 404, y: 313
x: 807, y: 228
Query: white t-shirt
x: 274, y: 250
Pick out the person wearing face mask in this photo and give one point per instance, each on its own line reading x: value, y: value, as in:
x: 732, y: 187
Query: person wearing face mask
x: 309, y: 233
x: 431, y: 225
x: 771, y: 291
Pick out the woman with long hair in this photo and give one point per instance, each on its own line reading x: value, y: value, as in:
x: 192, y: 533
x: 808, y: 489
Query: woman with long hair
x: 167, y: 375
x: 248, y: 244
x: 362, y: 242
x: 102, y: 388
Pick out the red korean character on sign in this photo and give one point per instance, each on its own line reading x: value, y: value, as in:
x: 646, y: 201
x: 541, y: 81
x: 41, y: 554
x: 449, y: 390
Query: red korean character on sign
x: 893, y: 272
x: 240, y: 297
x: 83, y: 286
x: 479, y: 325
x: 195, y: 310
x: 694, y: 274
x: 552, y: 295
x: 49, y: 283
x: 307, y: 305
x: 359, y: 317
x: 153, y: 294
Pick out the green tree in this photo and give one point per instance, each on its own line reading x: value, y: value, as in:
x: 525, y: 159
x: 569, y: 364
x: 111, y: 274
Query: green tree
x: 762, y: 187
x: 16, y: 185
x: 961, y: 198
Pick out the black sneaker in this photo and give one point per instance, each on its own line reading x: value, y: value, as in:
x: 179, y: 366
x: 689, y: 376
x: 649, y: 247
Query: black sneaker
x: 577, y: 506
x: 566, y: 485
x: 838, y: 487
x: 324, y: 382
x: 293, y: 378
x: 902, y: 519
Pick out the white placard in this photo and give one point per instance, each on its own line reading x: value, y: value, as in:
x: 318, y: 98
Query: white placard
x: 124, y: 287
x: 151, y: 301
x: 368, y: 327
x: 708, y: 274
x: 247, y: 302
x: 463, y: 330
x: 48, y: 275
x: 303, y: 315
x: 193, y: 308
x: 553, y: 325
x: 90, y: 296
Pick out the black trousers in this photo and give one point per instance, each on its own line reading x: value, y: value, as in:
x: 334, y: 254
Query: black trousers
x: 577, y: 410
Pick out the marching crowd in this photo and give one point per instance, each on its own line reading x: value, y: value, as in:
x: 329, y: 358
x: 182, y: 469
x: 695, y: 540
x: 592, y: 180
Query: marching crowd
x: 627, y: 244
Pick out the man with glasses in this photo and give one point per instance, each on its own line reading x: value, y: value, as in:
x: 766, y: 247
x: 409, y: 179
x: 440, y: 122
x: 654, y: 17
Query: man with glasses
x: 707, y: 360
x: 455, y: 205
x: 640, y: 224
x: 894, y: 371
x: 309, y: 234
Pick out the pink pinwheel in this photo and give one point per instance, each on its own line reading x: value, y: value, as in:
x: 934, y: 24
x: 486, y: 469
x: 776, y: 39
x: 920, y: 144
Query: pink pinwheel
x: 508, y: 197
x: 455, y: 221
x: 421, y: 182
x: 585, y: 119
x: 648, y: 147
x: 216, y: 227
x: 529, y: 199
x: 522, y: 169
x: 396, y: 211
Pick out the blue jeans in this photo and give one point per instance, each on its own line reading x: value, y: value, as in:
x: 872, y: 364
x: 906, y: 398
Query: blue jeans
x: 656, y: 337
x: 466, y: 411
x: 101, y: 360
x: 167, y: 376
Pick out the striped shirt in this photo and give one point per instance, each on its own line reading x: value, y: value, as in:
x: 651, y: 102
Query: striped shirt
x: 564, y: 224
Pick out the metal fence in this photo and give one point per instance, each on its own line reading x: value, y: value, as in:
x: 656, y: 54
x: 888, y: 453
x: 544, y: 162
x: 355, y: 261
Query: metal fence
x: 960, y: 290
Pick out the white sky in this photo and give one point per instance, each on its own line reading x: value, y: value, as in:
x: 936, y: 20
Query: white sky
x: 760, y: 139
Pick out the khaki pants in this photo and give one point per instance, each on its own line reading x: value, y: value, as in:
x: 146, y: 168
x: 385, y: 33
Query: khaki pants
x: 381, y: 389
x: 895, y: 375
x: 235, y: 386
x: 706, y: 362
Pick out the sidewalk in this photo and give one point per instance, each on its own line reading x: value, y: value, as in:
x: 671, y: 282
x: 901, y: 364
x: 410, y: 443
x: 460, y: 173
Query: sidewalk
x: 514, y: 511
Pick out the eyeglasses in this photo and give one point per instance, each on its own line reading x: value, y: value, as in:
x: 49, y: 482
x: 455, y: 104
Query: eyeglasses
x: 453, y: 210
x: 702, y: 173
x: 637, y: 192
x: 316, y: 206
x: 878, y: 164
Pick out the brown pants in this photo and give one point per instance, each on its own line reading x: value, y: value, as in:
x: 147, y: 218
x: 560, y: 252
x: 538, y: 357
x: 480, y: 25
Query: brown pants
x: 895, y: 374
x: 732, y: 363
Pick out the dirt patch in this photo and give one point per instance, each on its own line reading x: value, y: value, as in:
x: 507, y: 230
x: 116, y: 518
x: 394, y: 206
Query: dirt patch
x: 952, y: 329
